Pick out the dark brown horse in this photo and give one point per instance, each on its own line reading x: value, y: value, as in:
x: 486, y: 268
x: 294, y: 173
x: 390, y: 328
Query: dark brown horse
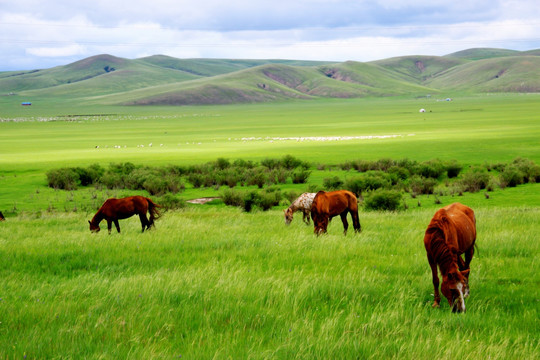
x: 2, y: 218
x: 326, y: 205
x: 451, y: 233
x: 116, y: 209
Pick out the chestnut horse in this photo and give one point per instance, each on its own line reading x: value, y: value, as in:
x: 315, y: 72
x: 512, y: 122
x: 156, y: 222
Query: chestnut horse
x: 451, y: 233
x: 302, y: 203
x: 326, y: 205
x: 115, y: 209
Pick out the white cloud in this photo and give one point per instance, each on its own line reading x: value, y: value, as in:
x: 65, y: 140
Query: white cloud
x: 33, y: 33
x: 57, y: 51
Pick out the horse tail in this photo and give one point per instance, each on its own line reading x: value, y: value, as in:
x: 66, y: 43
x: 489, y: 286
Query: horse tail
x: 153, y: 210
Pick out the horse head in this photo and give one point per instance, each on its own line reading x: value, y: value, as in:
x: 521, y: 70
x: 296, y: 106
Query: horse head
x: 455, y: 287
x: 288, y: 216
x: 93, y: 227
x: 320, y: 223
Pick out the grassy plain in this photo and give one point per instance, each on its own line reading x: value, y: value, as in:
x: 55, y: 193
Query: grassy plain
x: 472, y: 130
x: 213, y: 282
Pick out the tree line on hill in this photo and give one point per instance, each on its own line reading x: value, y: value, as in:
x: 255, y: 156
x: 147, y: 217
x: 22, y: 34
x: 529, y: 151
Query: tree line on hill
x: 381, y: 183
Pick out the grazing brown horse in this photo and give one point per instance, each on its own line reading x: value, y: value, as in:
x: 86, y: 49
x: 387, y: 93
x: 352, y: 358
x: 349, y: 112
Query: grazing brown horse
x: 451, y: 233
x: 326, y: 205
x: 115, y: 209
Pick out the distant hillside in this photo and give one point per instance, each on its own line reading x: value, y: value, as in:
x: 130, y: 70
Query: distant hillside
x: 485, y: 53
x: 213, y: 67
x: 507, y: 74
x: 164, y: 80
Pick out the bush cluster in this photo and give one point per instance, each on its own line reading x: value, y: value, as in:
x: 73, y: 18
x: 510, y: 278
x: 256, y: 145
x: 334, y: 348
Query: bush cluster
x: 170, y: 179
x: 404, y: 168
x: 381, y: 182
x: 383, y: 200
x: 248, y: 200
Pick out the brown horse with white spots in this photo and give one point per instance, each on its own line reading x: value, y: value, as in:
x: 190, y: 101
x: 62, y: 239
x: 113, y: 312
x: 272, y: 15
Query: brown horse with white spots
x: 451, y: 233
x: 326, y: 205
x: 302, y: 203
x: 116, y: 209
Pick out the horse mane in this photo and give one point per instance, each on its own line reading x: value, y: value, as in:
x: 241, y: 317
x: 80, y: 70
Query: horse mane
x: 443, y: 254
x: 97, y: 217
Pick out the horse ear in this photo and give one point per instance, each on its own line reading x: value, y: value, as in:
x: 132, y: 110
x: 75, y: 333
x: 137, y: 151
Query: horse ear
x: 89, y: 222
x: 466, y: 273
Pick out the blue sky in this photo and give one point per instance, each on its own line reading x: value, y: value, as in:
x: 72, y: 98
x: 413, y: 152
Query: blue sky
x: 37, y: 34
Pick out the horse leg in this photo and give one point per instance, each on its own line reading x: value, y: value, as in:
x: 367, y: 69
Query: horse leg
x: 117, y: 226
x: 356, y: 221
x: 306, y: 216
x: 435, y: 277
x: 144, y: 222
x: 468, y: 257
x: 345, y: 222
x: 109, y: 226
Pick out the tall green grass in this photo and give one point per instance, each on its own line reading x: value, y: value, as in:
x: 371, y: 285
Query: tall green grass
x: 213, y: 282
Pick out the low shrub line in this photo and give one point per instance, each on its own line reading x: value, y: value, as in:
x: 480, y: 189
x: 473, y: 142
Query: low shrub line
x: 380, y: 183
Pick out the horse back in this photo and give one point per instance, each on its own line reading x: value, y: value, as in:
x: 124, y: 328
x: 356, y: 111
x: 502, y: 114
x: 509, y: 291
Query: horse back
x: 458, y: 224
x: 334, y: 202
x: 125, y: 207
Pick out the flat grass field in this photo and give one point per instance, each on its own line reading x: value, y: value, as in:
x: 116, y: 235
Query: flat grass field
x: 214, y: 282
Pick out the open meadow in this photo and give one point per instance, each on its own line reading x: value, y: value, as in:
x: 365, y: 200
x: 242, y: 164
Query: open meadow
x: 212, y: 281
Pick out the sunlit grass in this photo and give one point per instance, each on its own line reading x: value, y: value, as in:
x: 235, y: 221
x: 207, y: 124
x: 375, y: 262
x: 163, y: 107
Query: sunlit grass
x: 215, y: 282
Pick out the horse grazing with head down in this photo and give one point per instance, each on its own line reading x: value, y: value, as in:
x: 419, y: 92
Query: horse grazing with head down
x: 326, y: 205
x: 302, y: 203
x: 116, y: 209
x: 451, y: 233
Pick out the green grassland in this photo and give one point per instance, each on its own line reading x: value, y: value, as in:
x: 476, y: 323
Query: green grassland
x: 214, y: 282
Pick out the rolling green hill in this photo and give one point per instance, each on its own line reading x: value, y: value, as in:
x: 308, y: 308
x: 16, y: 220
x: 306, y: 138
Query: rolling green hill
x: 164, y: 80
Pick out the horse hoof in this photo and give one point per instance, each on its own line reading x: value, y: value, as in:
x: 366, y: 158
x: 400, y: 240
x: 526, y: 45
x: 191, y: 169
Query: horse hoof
x: 435, y: 305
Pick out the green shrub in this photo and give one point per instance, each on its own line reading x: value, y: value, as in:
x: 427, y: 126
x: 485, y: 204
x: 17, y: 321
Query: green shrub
x: 383, y: 200
x: 300, y: 175
x: 291, y: 195
x: 256, y: 176
x: 333, y: 183
x: 90, y: 175
x: 399, y: 172
x: 289, y: 162
x: 453, y: 169
x: 63, y: 179
x: 368, y: 181
x: 431, y: 169
x: 420, y: 185
x: 222, y: 164
x: 232, y: 197
x: 267, y: 199
x: 475, y: 180
x: 196, y: 180
x: 171, y: 202
x: 530, y: 171
x: 511, y: 176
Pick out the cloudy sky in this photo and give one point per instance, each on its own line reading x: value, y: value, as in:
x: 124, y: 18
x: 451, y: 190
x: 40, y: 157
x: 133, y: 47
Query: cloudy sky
x: 36, y: 34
